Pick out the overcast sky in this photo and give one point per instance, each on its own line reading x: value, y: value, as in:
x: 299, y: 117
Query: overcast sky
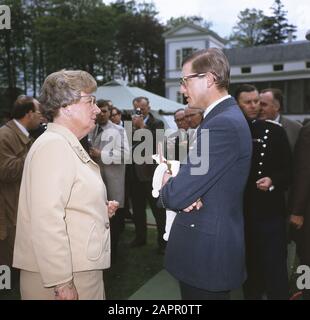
x: 223, y: 13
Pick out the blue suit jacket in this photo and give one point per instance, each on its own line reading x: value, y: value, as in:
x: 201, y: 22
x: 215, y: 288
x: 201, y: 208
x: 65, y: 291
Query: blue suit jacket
x: 206, y: 247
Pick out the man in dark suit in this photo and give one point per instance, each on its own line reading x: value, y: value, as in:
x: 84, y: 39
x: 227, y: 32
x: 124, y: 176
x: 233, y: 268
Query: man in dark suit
x: 265, y: 218
x: 301, y: 195
x: 141, y: 176
x: 271, y: 102
x: 205, y: 251
x: 177, y: 142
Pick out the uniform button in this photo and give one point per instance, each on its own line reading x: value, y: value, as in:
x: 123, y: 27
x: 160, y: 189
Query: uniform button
x: 259, y: 172
x: 192, y: 225
x: 260, y: 163
x: 262, y: 154
x: 267, y: 131
x: 265, y: 137
x: 107, y: 225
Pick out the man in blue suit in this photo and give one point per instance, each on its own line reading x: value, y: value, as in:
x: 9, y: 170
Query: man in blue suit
x: 205, y: 251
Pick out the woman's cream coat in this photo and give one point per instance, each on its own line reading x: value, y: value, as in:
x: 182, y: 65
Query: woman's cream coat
x: 62, y: 223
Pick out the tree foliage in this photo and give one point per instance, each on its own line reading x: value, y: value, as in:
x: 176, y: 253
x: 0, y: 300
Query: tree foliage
x: 254, y: 28
x: 248, y: 31
x: 121, y: 39
x: 276, y: 28
x: 174, y: 22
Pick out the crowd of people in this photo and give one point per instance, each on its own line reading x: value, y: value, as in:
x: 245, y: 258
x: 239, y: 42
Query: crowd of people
x: 67, y: 187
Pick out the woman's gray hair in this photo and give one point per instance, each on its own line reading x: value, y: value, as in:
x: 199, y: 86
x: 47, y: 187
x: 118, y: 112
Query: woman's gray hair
x: 63, y: 88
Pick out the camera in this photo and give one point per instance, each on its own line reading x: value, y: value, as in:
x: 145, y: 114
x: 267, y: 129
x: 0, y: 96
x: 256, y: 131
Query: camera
x: 138, y: 112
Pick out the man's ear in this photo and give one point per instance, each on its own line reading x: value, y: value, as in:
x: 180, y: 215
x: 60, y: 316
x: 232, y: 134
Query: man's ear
x: 29, y: 114
x: 210, y: 79
x: 277, y: 105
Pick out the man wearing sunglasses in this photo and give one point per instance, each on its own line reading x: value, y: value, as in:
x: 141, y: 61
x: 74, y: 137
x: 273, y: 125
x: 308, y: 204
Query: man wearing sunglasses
x: 205, y: 251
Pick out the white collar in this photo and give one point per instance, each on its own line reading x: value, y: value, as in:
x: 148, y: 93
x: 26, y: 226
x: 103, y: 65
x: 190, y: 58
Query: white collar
x: 146, y: 118
x: 277, y: 119
x: 21, y: 128
x: 214, y: 104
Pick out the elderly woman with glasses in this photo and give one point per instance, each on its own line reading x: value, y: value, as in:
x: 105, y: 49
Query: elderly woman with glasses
x: 63, y: 231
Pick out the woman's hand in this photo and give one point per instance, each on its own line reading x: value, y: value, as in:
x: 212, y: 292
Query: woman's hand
x: 112, y: 207
x: 66, y: 291
x: 95, y: 154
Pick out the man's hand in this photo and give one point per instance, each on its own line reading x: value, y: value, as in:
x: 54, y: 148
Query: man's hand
x: 264, y: 183
x: 112, y: 207
x: 196, y: 205
x: 66, y: 291
x: 296, y: 221
x: 166, y: 177
x: 137, y: 122
x: 94, y: 153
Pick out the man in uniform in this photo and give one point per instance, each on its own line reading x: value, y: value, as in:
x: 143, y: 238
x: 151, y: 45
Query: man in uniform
x: 265, y: 219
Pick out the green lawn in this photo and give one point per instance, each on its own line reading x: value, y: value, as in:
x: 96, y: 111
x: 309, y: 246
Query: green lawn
x: 133, y: 268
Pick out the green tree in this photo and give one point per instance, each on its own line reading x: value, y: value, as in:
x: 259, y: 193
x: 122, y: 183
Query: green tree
x: 174, y: 22
x: 48, y: 35
x: 140, y: 47
x: 276, y: 28
x: 248, y: 31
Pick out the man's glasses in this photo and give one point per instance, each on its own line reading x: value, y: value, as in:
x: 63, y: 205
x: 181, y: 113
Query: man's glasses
x: 92, y: 100
x: 190, y: 76
x: 114, y: 114
x: 183, y: 80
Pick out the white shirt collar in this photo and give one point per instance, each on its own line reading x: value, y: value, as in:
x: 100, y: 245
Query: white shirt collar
x: 22, y: 128
x: 214, y: 104
x: 146, y: 118
x: 277, y: 119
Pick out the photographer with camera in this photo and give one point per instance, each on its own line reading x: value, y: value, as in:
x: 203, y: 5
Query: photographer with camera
x: 141, y: 177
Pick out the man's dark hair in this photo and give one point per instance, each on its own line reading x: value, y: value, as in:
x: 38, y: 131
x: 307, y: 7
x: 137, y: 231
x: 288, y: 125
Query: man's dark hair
x: 101, y: 103
x: 118, y: 111
x: 244, y: 88
x: 22, y: 106
x: 277, y: 95
x: 138, y: 99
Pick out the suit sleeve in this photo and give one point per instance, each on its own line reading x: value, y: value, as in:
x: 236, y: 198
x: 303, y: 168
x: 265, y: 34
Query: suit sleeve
x: 12, y: 164
x: 301, y: 181
x: 117, y: 149
x: 52, y: 176
x: 183, y: 190
x: 3, y: 222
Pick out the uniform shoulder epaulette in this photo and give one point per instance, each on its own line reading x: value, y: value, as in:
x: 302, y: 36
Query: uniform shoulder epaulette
x: 274, y: 122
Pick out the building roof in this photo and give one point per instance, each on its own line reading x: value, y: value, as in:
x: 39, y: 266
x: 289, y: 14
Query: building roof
x: 122, y: 95
x: 196, y: 29
x: 284, y: 52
